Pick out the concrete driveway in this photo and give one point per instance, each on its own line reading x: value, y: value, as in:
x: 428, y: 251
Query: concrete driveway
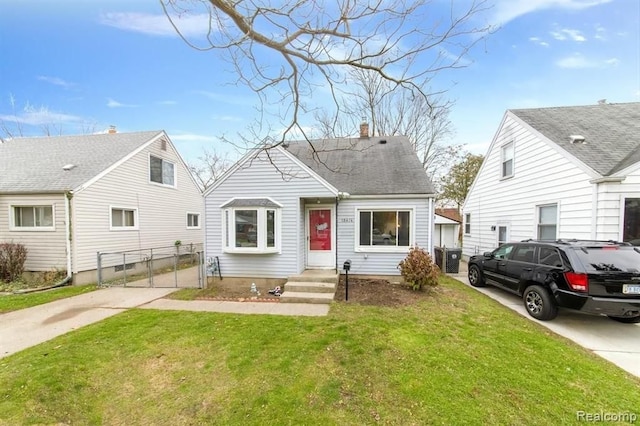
x: 28, y: 327
x: 616, y: 342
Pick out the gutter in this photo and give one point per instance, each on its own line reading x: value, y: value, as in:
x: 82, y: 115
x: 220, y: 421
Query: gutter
x: 66, y: 280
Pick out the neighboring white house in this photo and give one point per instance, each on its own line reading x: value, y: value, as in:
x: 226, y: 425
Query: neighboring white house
x: 552, y: 173
x: 66, y: 198
x: 446, y: 228
x: 313, y: 205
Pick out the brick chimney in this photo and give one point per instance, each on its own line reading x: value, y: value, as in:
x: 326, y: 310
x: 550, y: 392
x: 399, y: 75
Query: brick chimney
x: 112, y: 129
x: 364, y: 130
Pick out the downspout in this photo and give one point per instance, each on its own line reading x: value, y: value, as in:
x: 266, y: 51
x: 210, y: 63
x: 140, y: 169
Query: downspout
x: 336, y: 233
x: 432, y: 227
x: 66, y: 280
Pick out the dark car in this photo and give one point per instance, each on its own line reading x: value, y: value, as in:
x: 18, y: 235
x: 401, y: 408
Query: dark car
x: 596, y: 277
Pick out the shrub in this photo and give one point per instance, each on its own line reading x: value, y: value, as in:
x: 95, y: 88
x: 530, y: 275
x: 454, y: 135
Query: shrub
x: 418, y: 269
x: 12, y: 258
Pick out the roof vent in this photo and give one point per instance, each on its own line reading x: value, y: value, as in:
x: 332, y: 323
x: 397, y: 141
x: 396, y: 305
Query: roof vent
x: 68, y: 167
x: 383, y: 141
x: 576, y: 139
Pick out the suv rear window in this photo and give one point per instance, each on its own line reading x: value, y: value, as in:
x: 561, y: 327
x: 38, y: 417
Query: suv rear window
x: 609, y: 258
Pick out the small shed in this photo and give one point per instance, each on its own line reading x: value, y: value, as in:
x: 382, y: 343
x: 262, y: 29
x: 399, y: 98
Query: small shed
x: 446, y: 228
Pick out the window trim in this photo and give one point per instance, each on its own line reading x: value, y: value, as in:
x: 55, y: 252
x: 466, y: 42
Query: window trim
x: 198, y: 215
x: 228, y: 215
x: 175, y: 172
x: 12, y: 218
x: 537, y: 217
x: 622, y: 211
x: 467, y: 223
x: 136, y: 222
x: 512, y: 146
x: 384, y: 248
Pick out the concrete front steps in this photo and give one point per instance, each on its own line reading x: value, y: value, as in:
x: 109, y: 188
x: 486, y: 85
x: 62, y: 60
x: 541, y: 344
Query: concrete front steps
x: 312, y: 286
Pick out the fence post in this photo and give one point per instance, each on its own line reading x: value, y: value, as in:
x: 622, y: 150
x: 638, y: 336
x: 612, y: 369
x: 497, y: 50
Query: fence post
x: 151, y: 269
x: 124, y: 267
x: 99, y: 264
x: 175, y: 270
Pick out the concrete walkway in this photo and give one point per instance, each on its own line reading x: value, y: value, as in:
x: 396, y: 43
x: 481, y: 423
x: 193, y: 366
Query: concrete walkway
x: 616, y: 342
x: 29, y: 327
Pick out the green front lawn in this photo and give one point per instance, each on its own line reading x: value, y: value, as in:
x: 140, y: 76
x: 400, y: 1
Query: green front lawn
x: 13, y: 302
x: 456, y: 358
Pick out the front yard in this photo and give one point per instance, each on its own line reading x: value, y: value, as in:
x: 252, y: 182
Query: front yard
x: 455, y: 357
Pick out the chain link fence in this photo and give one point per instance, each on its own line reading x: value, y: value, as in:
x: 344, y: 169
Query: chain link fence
x: 170, y: 266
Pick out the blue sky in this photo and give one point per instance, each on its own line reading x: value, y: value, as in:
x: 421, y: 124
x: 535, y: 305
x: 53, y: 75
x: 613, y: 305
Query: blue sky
x: 84, y: 65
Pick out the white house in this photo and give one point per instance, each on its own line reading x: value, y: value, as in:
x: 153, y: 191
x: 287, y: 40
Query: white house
x: 558, y: 173
x: 314, y: 205
x: 66, y: 198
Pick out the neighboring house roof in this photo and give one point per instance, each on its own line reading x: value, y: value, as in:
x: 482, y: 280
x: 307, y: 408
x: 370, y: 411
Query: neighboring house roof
x: 36, y: 164
x: 611, y: 132
x: 450, y: 213
x: 365, y: 166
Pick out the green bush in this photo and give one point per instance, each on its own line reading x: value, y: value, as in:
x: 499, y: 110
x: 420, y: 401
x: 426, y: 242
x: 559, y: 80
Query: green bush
x: 12, y: 258
x: 418, y: 269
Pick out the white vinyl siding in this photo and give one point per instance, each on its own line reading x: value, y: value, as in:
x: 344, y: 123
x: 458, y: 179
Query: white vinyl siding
x: 161, y: 209
x: 44, y: 253
x: 259, y: 178
x: 545, y: 175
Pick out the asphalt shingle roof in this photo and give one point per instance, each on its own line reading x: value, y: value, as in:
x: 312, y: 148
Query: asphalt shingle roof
x: 365, y: 166
x: 36, y: 164
x: 611, y: 131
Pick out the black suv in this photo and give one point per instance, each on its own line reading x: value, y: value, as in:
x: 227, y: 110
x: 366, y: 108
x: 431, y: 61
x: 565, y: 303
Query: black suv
x: 596, y: 277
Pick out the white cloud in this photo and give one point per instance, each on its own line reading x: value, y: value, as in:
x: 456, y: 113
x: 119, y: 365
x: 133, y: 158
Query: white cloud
x: 578, y: 61
x: 56, y: 81
x: 508, y: 10
x: 538, y: 41
x: 157, y: 25
x: 111, y: 103
x: 33, y: 116
x: 568, y: 34
x: 167, y: 103
x: 600, y: 33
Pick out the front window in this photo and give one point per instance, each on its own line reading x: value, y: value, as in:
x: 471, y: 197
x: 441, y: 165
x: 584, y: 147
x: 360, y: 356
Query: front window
x: 507, y: 160
x: 547, y: 222
x: 631, y: 224
x: 385, y: 228
x: 251, y: 228
x: 467, y: 223
x: 193, y: 220
x: 161, y: 171
x: 38, y: 218
x: 124, y: 218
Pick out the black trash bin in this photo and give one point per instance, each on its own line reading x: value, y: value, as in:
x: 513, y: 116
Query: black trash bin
x: 453, y: 256
x: 438, y: 256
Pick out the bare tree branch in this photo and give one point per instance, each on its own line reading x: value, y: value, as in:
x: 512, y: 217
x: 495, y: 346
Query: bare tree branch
x: 288, y: 51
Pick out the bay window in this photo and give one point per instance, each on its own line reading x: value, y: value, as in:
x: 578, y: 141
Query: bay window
x: 251, y: 226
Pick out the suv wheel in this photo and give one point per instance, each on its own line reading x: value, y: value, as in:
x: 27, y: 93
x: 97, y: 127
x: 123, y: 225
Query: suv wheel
x: 475, y: 276
x: 539, y: 304
x: 627, y: 320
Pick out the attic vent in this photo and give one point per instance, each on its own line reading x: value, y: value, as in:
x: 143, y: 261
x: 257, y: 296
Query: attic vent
x: 68, y: 167
x: 576, y: 139
x: 163, y: 145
